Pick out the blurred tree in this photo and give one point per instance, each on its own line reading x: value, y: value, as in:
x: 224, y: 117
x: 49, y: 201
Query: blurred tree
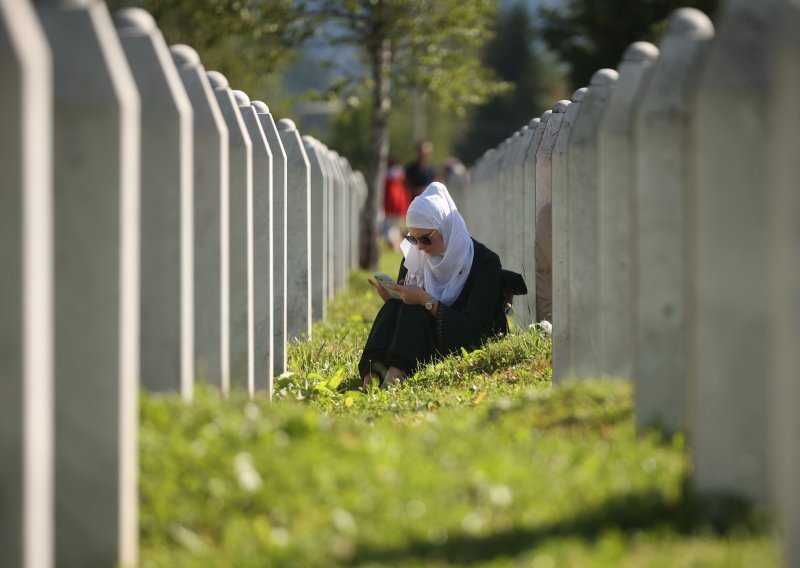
x: 536, y: 82
x: 245, y: 40
x: 591, y: 34
x: 430, y: 45
x: 350, y: 129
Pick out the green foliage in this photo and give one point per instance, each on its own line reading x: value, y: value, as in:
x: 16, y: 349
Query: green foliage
x: 535, y: 85
x: 246, y: 40
x: 433, y: 44
x: 428, y: 45
x: 350, y: 127
x: 592, y: 34
x: 475, y: 460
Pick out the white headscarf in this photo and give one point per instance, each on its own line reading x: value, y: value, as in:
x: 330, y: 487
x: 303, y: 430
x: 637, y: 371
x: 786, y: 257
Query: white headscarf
x: 442, y: 276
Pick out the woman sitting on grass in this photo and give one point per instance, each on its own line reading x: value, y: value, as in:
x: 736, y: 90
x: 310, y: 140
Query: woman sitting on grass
x: 450, y: 294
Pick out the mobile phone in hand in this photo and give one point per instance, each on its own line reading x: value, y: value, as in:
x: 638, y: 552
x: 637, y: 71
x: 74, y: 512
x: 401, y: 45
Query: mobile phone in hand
x: 385, y: 280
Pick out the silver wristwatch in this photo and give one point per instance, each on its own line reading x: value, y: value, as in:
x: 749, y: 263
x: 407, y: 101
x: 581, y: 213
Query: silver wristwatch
x: 429, y: 303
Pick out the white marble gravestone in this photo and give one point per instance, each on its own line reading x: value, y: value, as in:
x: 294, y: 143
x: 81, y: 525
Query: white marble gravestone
x: 562, y: 361
x: 582, y: 226
x: 542, y: 171
x: 515, y: 216
x: 166, y: 255
x: 240, y: 234
x: 340, y: 225
x: 26, y: 317
x: 330, y: 188
x: 336, y: 214
x: 298, y: 233
x: 263, y: 331
x: 616, y: 157
x: 499, y: 209
x: 278, y: 236
x: 527, y: 303
x: 784, y: 387
x: 351, y: 216
x: 523, y: 316
x: 319, y: 227
x: 354, y: 208
x: 542, y: 167
x: 96, y: 294
x: 730, y: 328
x: 660, y: 241
x: 497, y: 202
x: 210, y: 165
x: 346, y: 214
x: 513, y: 204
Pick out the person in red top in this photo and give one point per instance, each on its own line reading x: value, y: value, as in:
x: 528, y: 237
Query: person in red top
x: 396, y: 200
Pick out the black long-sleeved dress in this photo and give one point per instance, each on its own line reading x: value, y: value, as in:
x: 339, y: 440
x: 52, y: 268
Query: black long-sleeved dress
x: 405, y: 336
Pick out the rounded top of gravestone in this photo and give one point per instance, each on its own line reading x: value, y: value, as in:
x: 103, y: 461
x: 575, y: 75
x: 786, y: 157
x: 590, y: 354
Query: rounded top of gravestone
x: 184, y: 55
x: 690, y: 21
x: 578, y: 95
x: 241, y: 98
x: 546, y: 115
x: 217, y: 79
x: 286, y: 125
x: 534, y: 122
x: 260, y: 106
x: 604, y: 77
x: 561, y: 106
x: 641, y: 51
x: 134, y: 20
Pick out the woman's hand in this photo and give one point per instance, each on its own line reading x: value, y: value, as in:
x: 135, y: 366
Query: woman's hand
x: 411, y: 294
x: 381, y: 292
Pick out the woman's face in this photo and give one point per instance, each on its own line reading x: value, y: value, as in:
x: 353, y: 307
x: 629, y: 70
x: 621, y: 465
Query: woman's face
x: 429, y: 241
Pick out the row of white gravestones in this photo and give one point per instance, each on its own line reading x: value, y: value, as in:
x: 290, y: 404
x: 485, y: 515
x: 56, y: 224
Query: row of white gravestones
x: 507, y: 190
x: 144, y: 218
x: 675, y: 192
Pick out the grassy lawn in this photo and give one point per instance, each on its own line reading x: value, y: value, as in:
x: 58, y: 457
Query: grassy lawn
x: 476, y: 460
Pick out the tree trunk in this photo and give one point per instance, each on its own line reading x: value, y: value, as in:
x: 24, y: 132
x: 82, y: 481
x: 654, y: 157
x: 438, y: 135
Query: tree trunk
x: 381, y: 61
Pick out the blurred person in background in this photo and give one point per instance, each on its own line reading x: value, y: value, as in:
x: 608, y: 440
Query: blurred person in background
x: 421, y: 173
x: 396, y: 199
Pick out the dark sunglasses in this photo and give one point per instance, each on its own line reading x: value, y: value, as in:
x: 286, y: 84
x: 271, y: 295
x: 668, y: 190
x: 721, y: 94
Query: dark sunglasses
x: 425, y: 240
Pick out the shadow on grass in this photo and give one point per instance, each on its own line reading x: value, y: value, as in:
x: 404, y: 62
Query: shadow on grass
x: 720, y: 515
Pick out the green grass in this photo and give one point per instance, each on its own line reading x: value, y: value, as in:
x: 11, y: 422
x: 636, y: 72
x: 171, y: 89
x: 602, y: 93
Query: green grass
x: 475, y: 460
